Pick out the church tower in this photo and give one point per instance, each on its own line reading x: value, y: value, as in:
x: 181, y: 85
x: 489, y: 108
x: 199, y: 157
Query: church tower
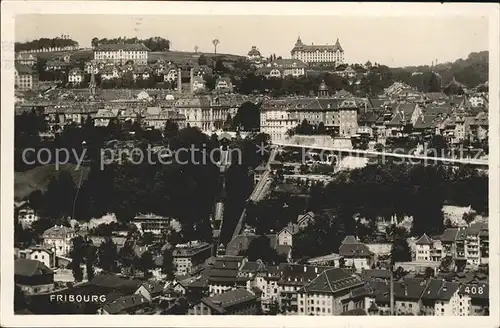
x: 323, y: 90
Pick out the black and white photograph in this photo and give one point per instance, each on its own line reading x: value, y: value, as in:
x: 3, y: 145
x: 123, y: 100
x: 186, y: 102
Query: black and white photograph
x: 273, y: 166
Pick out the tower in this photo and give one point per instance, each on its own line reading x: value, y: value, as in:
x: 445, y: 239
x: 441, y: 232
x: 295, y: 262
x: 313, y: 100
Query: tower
x: 323, y: 89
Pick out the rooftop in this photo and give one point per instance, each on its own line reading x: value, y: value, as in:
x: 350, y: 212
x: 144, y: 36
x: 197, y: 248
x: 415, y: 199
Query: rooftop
x: 30, y: 268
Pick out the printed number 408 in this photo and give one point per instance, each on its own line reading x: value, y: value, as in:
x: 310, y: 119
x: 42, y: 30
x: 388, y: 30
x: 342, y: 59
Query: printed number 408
x: 473, y: 290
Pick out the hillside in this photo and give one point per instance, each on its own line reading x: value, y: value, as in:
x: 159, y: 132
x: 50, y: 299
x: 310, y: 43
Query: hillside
x: 471, y: 71
x: 38, y: 178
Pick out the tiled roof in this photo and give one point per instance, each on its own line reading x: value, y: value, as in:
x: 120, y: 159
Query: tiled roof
x: 439, y: 290
x: 354, y: 250
x: 409, y: 289
x: 375, y: 274
x: 222, y: 302
x: 449, y: 235
x: 30, y: 268
x: 57, y: 232
x: 424, y: 240
x: 113, y: 281
x: 350, y: 240
x: 125, y: 303
x: 297, y: 274
x: 23, y: 69
x: 124, y: 46
x: 332, y: 281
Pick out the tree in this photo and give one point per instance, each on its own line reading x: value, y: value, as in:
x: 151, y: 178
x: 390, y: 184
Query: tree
x: 215, y: 42
x: 147, y: 238
x: 94, y: 42
x: 400, y: 251
x: 36, y: 200
x: 429, y: 273
x: 108, y: 255
x: 167, y: 267
x: 146, y: 263
x: 77, y: 255
x: 128, y: 257
x: 90, y: 261
x: 247, y: 117
x: 468, y: 217
x: 260, y: 248
x: 341, y: 262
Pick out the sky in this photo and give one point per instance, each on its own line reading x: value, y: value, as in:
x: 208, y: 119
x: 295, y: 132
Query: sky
x: 392, y: 41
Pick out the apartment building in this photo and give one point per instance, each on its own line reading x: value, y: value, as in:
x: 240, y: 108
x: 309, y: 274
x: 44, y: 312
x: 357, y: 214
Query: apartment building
x: 122, y: 53
x: 59, y: 238
x: 25, y: 78
x: 152, y: 223
x: 264, y: 279
x: 188, y: 257
x: 328, y: 294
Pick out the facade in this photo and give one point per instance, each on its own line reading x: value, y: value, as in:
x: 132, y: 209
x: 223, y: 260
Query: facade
x: 105, y: 116
x: 44, y: 255
x: 25, y: 78
x: 224, y: 83
x: 286, y: 67
x: 423, y: 248
x: 440, y: 298
x: 75, y: 76
x: 59, y: 238
x: 204, y: 112
x: 356, y: 254
x: 314, y: 54
x: 159, y: 120
x: 262, y: 279
x: 154, y: 224
x: 26, y: 59
x: 189, y: 256
x: 223, y: 275
x: 26, y: 216
x: 328, y: 294
x: 122, y: 53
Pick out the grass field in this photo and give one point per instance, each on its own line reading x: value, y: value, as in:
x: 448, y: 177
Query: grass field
x: 174, y: 56
x: 38, y: 178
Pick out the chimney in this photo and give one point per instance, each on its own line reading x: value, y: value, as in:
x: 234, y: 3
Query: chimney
x: 191, y: 78
x: 179, y: 80
x: 305, y: 268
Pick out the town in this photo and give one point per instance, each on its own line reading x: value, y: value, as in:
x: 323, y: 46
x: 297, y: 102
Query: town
x: 318, y: 214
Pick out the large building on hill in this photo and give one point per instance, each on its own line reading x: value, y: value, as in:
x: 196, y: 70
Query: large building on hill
x: 316, y: 54
x: 122, y: 53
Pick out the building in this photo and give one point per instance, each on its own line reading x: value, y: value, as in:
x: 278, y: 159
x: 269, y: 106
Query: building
x: 26, y: 59
x: 356, y: 254
x: 25, y: 78
x: 407, y: 296
x: 33, y: 277
x: 59, y: 237
x: 223, y: 274
x: 157, y: 118
x: 423, y: 248
x: 204, y: 112
x: 105, y: 116
x: 276, y: 119
x: 254, y: 54
x: 316, y: 54
x: 188, y: 257
x: 75, y: 76
x: 26, y: 215
x: 122, y: 53
x: 152, y: 223
x: 198, y: 84
x: 128, y: 304
x: 262, y: 279
x: 473, y: 299
x: 328, y: 294
x: 42, y: 254
x: 287, y: 67
x: 292, y: 278
x: 224, y: 84
x: 440, y: 298
x: 234, y: 302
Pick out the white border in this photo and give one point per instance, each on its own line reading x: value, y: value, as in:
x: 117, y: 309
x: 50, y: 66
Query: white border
x: 9, y: 9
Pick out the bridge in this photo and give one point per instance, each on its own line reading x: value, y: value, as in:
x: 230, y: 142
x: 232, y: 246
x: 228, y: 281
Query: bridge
x: 413, y: 159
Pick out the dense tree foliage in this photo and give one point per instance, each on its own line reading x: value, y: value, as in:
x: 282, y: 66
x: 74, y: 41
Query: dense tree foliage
x: 153, y: 43
x: 45, y: 43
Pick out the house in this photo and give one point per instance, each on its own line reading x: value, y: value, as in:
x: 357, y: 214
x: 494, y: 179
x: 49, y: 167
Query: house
x: 105, y: 116
x: 292, y: 278
x: 44, y: 255
x: 288, y: 67
x: 33, y: 277
x: 254, y: 54
x: 26, y: 59
x: 198, y: 84
x: 423, y: 248
x: 155, y: 224
x: 305, y: 220
x: 224, y: 83
x: 264, y: 279
x: 25, y: 78
x: 188, y: 257
x: 223, y: 274
x: 233, y: 302
x: 440, y: 298
x: 151, y: 290
x: 129, y: 304
x: 26, y: 215
x: 356, y: 254
x: 407, y: 295
x: 75, y: 76
x: 59, y: 237
x: 141, y: 72
x: 478, y: 100
x: 328, y: 294
x: 285, y: 236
